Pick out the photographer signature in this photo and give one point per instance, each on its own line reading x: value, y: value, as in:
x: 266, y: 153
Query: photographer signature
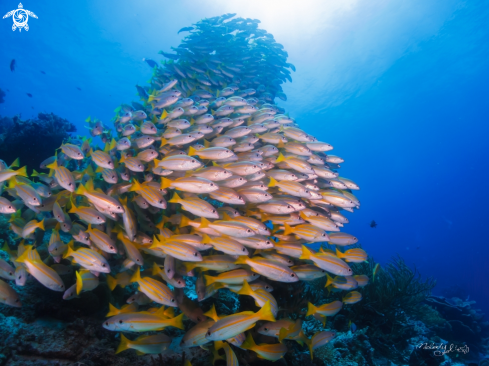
x: 442, y: 349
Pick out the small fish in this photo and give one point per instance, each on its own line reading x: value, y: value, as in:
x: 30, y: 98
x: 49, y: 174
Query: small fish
x: 12, y: 65
x: 270, y: 352
x: 29, y: 95
x: 147, y: 344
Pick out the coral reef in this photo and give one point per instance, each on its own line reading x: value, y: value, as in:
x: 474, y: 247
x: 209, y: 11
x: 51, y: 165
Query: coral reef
x: 32, y: 140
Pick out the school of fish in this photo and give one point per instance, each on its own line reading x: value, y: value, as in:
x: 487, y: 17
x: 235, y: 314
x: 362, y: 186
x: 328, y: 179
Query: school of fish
x: 206, y: 178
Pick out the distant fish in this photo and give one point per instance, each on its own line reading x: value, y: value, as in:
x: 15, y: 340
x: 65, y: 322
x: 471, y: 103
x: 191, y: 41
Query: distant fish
x: 12, y: 65
x: 185, y: 29
x: 352, y: 326
x: 42, y: 72
x: 78, y: 88
x: 29, y: 95
x: 150, y: 62
x: 169, y: 55
x: 373, y: 224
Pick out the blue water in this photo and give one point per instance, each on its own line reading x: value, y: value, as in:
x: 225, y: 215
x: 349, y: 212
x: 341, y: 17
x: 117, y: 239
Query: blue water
x: 399, y: 88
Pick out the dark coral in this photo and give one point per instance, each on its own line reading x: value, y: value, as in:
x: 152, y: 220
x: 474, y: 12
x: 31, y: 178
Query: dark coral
x: 32, y: 140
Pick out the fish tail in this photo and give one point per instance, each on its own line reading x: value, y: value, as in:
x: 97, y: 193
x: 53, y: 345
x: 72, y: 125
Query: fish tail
x: 22, y: 258
x: 241, y: 259
x: 35, y: 174
x: 22, y: 171
x: 191, y: 151
x: 79, y: 283
x: 329, y: 280
x: 204, y: 223
x: 311, y: 309
x: 15, y: 163
x: 206, y: 239
x: 207, y: 143
x: 81, y: 190
x: 135, y: 186
x: 282, y: 334
x: 184, y: 221
x: 53, y: 165
x: 280, y: 158
x: 177, y: 322
x: 272, y: 182
x: 155, y: 270
x: 69, y: 252
x: 309, y: 345
x: 112, y: 311
x: 209, y: 280
x: 163, y: 142
x: 246, y: 289
x: 123, y: 345
x: 339, y: 254
x: 165, y: 183
x: 212, y: 313
x: 136, y: 277
x: 40, y: 225
x: 265, y: 313
x: 175, y: 199
x: 111, y: 282
x: 288, y: 229
x: 249, y: 342
x: 306, y: 253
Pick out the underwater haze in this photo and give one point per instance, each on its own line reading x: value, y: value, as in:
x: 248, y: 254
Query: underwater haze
x: 399, y: 88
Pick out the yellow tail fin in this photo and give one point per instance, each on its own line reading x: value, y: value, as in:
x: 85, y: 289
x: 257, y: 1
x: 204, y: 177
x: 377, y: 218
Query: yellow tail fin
x: 212, y: 313
x: 22, y: 171
x: 306, y: 253
x: 165, y: 183
x: 81, y: 190
x: 209, y: 280
x: 111, y: 282
x: 249, y: 342
x: 280, y: 158
x: 311, y: 309
x: 288, y: 229
x: 246, y: 289
x: 15, y: 163
x: 184, y: 221
x: 272, y: 182
x: 175, y: 199
x: 123, y: 345
x: 79, y: 283
x: 206, y: 239
x: 155, y: 270
x: 136, y: 277
x: 191, y: 151
x: 241, y: 259
x: 177, y: 322
x: 204, y: 223
x: 265, y: 313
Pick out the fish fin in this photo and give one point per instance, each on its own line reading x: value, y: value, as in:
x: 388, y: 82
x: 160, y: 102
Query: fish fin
x: 112, y: 311
x: 135, y: 186
x: 136, y: 277
x: 191, y: 151
x: 212, y: 313
x: 165, y: 183
x: 280, y: 158
x: 249, y: 342
x: 204, y: 223
x: 311, y: 309
x: 99, y: 169
x: 288, y: 229
x: 15, y: 163
x: 22, y: 171
x: 241, y: 259
x: 282, y: 334
x: 155, y: 270
x: 79, y: 283
x: 53, y: 165
x: 265, y: 313
x: 306, y: 253
x: 24, y: 256
x: 303, y: 215
x: 272, y: 182
x: 177, y: 322
x: 35, y: 174
x: 207, y: 143
x: 339, y: 254
x: 329, y: 281
x: 175, y: 199
x: 226, y: 217
x: 123, y: 345
x: 69, y: 252
x: 184, y: 221
x: 209, y: 280
x: 81, y: 190
x: 40, y: 225
x: 206, y: 239
x: 218, y: 345
x: 163, y: 142
x: 246, y: 289
x: 111, y: 282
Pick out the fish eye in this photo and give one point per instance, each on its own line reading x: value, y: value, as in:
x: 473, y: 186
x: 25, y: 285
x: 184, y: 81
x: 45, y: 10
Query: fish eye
x: 244, y: 249
x: 268, y: 242
x: 103, y: 264
x: 20, y: 277
x: 209, y: 333
x: 11, y: 273
x: 98, y: 217
x: 265, y: 329
x: 111, y: 247
x: 323, y: 234
x: 138, y: 260
x: 196, y: 254
x: 10, y: 207
x: 140, y: 166
x: 172, y: 300
x: 17, y: 300
x: 213, y: 211
x: 35, y: 199
x: 120, y: 321
x: 248, y: 231
x: 212, y: 184
x: 292, y: 275
x: 160, y: 201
